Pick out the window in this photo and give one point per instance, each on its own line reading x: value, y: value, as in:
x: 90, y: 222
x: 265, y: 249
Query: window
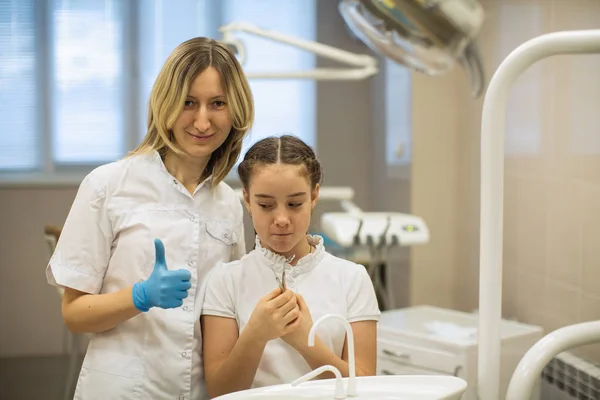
x: 86, y: 81
x: 398, y: 119
x: 18, y: 89
x: 282, y: 106
x: 76, y: 76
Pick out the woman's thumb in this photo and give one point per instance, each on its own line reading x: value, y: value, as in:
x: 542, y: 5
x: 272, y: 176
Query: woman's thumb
x: 159, y: 249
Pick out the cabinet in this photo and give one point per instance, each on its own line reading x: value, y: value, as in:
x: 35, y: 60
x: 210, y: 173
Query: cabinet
x: 426, y: 340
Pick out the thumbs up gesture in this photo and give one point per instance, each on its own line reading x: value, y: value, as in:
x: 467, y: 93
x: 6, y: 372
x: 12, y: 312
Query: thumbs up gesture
x: 164, y: 288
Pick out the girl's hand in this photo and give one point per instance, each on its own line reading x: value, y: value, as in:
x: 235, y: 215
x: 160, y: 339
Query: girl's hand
x: 298, y: 338
x: 274, y: 316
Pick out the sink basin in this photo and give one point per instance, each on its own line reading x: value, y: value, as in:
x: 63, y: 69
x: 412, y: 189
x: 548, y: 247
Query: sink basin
x: 389, y: 387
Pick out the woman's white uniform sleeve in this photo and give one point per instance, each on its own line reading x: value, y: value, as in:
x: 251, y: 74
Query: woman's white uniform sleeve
x: 83, y: 250
x: 362, y: 301
x: 218, y: 298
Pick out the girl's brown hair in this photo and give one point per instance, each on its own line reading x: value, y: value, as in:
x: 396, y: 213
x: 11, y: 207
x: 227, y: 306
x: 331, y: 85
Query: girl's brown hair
x: 286, y: 149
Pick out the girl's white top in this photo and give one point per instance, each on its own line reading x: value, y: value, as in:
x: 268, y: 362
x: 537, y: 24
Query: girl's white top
x: 107, y: 244
x: 327, y: 283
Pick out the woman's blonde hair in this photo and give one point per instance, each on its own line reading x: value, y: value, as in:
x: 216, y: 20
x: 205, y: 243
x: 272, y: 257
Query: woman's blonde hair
x: 171, y: 89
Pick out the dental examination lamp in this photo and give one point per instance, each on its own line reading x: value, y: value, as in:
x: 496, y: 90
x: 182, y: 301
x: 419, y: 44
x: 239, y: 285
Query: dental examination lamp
x: 429, y: 36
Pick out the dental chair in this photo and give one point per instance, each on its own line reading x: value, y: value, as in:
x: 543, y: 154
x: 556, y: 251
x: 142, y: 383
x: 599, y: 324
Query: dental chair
x: 51, y: 236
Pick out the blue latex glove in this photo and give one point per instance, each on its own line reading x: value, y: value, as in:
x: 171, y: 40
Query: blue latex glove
x: 164, y: 288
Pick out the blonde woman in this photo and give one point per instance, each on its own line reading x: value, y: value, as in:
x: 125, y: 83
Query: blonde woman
x: 144, y: 231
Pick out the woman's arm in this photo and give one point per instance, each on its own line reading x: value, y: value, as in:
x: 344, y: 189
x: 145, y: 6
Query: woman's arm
x: 365, y: 351
x: 230, y: 362
x: 100, y: 312
x: 93, y: 313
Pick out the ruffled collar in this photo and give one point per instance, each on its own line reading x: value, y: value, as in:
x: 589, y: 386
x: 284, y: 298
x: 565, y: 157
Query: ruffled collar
x: 277, y: 262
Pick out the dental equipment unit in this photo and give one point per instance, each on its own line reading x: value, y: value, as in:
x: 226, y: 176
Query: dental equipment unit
x: 379, y: 232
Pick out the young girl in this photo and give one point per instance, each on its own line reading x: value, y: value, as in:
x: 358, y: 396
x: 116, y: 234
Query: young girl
x: 144, y: 231
x: 255, y: 334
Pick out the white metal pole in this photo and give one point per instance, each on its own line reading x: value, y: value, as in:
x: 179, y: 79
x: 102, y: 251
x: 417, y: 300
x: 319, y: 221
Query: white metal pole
x: 492, y: 190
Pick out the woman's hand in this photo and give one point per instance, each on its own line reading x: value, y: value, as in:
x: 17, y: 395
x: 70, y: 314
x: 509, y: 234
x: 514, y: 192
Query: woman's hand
x: 164, y: 288
x: 275, y: 315
x: 298, y: 338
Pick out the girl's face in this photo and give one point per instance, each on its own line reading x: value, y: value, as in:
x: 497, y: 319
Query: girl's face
x: 280, y: 201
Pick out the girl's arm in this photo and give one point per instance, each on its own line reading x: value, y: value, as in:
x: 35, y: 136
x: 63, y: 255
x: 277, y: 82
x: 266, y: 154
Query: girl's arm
x: 365, y: 346
x: 365, y: 351
x: 231, y: 362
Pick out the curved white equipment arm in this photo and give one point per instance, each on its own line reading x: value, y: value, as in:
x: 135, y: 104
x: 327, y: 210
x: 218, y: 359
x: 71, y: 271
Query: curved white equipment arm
x: 367, y: 64
x: 340, y: 393
x: 492, y: 190
x: 534, y: 361
x: 351, y: 388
